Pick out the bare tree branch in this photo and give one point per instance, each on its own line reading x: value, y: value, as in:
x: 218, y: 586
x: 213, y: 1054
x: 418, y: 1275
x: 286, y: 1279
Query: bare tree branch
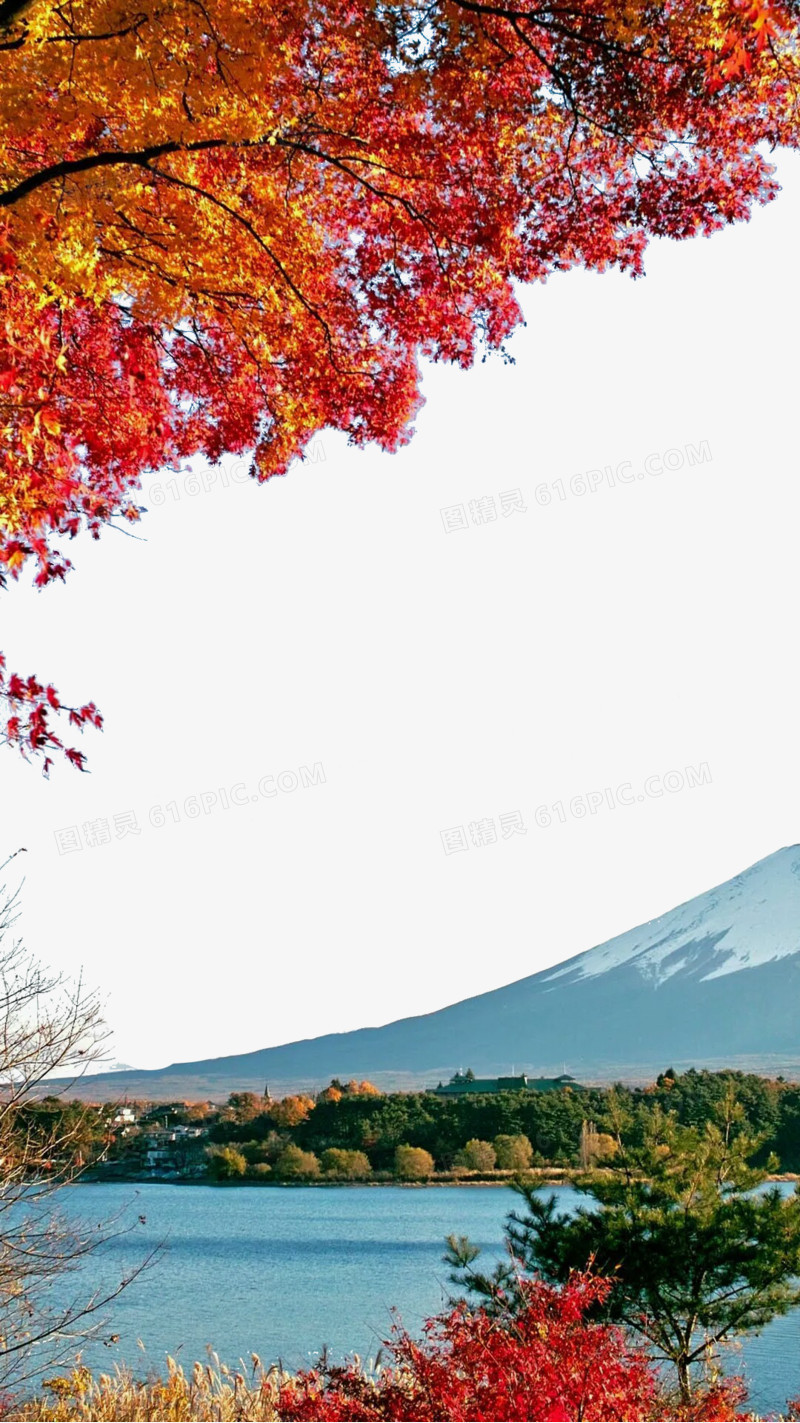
x: 48, y: 1025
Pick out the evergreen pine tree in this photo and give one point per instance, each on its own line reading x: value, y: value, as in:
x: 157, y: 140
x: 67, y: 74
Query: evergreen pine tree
x: 698, y: 1250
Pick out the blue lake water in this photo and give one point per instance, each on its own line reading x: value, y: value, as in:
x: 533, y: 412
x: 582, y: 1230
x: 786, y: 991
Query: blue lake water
x: 284, y: 1272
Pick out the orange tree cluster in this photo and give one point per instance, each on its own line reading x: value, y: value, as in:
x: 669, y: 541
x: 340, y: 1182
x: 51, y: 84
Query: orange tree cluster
x: 226, y: 224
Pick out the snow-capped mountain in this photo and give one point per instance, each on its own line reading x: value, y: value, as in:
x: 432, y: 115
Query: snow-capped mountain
x: 715, y: 982
x: 749, y: 920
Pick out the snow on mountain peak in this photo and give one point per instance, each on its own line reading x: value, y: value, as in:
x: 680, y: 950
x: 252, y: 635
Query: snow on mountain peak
x: 749, y: 920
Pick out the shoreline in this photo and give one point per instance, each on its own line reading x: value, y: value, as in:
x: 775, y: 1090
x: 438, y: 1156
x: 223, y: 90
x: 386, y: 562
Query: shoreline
x: 545, y: 1180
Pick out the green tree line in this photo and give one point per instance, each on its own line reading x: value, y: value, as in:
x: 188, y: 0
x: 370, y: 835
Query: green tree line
x: 352, y: 1132
x: 552, y: 1122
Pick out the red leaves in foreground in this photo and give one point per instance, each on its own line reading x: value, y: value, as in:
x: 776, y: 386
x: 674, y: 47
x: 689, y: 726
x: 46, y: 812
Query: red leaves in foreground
x: 31, y: 704
x: 549, y: 1364
x: 718, y: 1404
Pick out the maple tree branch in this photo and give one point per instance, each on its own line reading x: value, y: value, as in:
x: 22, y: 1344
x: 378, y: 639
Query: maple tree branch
x: 105, y: 35
x: 537, y: 17
x: 151, y: 238
x: 388, y: 197
x: 10, y: 10
x: 611, y: 49
x: 248, y: 226
x: 147, y: 265
x: 105, y: 159
x: 113, y: 157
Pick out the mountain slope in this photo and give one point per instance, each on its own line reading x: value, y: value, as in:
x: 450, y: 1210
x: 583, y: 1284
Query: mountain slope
x: 716, y: 980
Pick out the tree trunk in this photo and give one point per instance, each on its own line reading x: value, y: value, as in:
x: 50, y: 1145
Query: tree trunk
x: 684, y: 1378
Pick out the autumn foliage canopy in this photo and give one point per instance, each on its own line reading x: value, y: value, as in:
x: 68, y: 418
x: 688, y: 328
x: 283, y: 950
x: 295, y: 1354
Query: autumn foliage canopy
x: 228, y: 224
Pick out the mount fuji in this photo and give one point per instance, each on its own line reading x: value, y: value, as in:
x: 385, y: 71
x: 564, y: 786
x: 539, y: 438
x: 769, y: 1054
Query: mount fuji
x: 714, y: 982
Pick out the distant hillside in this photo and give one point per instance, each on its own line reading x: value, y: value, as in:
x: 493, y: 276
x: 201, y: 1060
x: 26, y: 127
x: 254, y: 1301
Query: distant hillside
x: 714, y: 982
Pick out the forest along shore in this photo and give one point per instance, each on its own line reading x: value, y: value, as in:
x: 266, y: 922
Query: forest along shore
x: 351, y: 1133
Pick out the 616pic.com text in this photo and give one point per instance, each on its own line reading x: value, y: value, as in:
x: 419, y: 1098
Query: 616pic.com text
x: 192, y: 482
x: 653, y: 788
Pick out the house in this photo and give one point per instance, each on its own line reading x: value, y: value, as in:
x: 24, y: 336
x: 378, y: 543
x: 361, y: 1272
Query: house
x: 463, y: 1083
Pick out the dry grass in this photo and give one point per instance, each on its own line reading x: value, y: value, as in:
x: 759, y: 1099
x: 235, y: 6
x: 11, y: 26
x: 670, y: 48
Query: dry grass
x: 213, y: 1394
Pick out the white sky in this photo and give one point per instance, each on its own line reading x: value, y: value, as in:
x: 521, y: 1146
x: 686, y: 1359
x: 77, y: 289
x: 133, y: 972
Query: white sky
x: 439, y: 678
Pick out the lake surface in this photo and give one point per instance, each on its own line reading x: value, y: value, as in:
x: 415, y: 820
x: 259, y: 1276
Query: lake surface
x: 283, y: 1272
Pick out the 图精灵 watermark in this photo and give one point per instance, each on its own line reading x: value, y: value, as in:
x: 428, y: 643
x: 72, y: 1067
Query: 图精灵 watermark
x: 106, y: 829
x: 476, y: 834
x: 488, y: 509
x: 484, y: 510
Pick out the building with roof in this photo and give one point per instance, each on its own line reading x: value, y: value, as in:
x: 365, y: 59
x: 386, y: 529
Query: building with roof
x: 466, y: 1083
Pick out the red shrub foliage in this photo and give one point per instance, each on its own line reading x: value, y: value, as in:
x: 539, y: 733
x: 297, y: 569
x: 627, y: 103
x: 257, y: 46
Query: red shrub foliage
x: 718, y: 1404
x: 549, y: 1364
